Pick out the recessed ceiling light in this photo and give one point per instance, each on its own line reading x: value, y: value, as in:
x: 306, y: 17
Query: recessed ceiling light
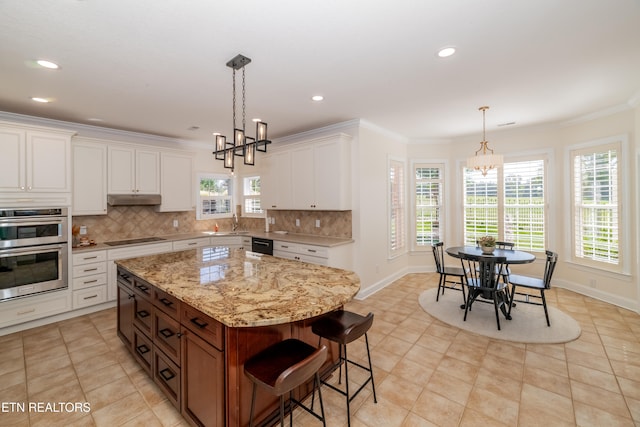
x: 47, y: 64
x: 95, y: 119
x: 256, y: 120
x: 446, y: 51
x: 216, y: 133
x: 317, y: 98
x: 42, y: 100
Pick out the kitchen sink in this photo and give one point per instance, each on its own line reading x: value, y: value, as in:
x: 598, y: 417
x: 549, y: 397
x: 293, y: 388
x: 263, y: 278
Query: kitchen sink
x: 225, y: 233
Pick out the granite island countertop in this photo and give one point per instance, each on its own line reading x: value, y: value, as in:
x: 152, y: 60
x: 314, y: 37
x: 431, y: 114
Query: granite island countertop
x: 243, y: 289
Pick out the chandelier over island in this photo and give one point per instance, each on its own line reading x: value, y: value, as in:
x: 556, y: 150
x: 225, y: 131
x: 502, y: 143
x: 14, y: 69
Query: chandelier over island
x: 241, y: 145
x: 484, y: 159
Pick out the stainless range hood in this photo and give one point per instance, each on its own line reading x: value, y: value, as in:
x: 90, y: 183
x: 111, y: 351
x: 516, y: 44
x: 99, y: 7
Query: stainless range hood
x: 134, y: 199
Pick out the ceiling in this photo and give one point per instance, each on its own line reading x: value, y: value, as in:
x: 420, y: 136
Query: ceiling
x: 158, y: 66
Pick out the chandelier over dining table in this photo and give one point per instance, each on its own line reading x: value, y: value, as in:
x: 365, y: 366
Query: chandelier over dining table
x: 241, y: 145
x: 484, y: 159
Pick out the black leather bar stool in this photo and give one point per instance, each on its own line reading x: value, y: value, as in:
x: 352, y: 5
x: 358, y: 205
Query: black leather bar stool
x: 281, y: 368
x: 344, y: 327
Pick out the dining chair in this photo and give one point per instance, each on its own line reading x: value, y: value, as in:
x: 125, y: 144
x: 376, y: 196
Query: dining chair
x: 446, y: 272
x: 483, y: 281
x: 536, y: 284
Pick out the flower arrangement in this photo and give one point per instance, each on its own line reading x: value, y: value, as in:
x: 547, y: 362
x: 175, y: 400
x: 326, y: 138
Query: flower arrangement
x: 487, y: 241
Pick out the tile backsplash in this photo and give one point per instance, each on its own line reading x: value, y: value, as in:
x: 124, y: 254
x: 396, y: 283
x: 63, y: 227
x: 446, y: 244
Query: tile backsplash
x: 130, y: 222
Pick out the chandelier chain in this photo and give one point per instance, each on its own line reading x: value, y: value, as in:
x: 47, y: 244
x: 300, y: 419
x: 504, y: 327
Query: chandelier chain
x: 234, y: 98
x: 243, y: 101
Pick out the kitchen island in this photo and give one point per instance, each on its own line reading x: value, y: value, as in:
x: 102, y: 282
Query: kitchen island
x: 192, y: 318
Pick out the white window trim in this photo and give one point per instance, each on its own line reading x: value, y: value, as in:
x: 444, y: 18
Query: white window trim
x: 442, y: 164
x: 242, y: 196
x: 624, y: 266
x: 199, y: 215
x: 392, y: 254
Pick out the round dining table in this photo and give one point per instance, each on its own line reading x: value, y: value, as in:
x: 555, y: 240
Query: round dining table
x: 512, y: 256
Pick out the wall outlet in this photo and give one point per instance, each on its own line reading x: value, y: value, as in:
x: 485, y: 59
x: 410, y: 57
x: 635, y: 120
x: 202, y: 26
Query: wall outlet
x: 273, y: 220
x: 83, y: 229
x: 317, y: 223
x: 175, y: 223
x: 297, y: 222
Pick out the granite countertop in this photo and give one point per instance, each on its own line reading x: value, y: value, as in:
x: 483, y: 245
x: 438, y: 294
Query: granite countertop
x: 245, y: 289
x: 305, y: 239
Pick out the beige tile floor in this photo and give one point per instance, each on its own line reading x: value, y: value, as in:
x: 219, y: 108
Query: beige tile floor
x: 427, y: 373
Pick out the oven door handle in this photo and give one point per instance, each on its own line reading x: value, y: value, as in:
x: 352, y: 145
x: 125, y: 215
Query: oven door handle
x: 29, y: 222
x: 31, y: 250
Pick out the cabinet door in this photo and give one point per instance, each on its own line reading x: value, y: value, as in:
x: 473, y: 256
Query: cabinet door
x: 147, y: 172
x: 329, y: 176
x: 302, y: 168
x: 276, y: 183
x: 126, y: 306
x: 48, y: 161
x: 12, y: 173
x: 202, y: 381
x: 89, y: 179
x: 121, y: 170
x: 176, y: 182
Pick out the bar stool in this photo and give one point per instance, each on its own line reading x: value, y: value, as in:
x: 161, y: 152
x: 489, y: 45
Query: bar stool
x: 344, y: 327
x: 281, y: 368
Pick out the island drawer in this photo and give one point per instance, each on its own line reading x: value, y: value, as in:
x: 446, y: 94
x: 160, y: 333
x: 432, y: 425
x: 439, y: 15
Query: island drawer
x: 142, y: 350
x: 143, y: 314
x: 167, y: 303
x: 204, y: 326
x: 167, y: 375
x: 166, y: 335
x: 142, y: 288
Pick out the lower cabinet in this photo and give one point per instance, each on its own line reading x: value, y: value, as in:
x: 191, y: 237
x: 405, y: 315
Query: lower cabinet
x: 179, y: 347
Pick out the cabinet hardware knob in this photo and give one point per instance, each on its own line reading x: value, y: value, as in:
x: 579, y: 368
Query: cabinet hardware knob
x: 167, y: 374
x: 143, y: 313
x: 166, y: 332
x: 166, y: 302
x: 142, y: 349
x: 199, y: 323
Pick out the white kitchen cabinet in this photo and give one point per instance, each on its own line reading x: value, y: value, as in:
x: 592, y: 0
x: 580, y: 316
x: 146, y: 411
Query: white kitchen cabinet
x: 198, y: 242
x: 20, y: 310
x: 89, y: 278
x: 133, y: 170
x: 130, y: 251
x: 176, y: 182
x: 336, y: 256
x: 89, y: 177
x: 34, y: 160
x: 321, y: 174
x: 276, y: 182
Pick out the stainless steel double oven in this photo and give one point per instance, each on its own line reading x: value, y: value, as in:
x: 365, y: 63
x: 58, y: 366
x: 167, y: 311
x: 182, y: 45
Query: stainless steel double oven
x: 33, y: 251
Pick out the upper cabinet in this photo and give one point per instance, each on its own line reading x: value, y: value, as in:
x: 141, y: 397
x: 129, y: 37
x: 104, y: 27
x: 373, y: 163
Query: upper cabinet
x: 314, y: 175
x: 133, y: 170
x: 89, y: 177
x: 276, y: 181
x: 177, y: 182
x: 35, y: 160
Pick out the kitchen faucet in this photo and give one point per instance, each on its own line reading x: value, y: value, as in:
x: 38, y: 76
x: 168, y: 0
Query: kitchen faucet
x: 235, y: 222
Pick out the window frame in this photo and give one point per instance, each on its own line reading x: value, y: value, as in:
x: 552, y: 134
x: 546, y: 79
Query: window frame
x: 441, y: 165
x: 199, y: 199
x: 401, y: 218
x: 624, y: 198
x: 537, y: 155
x: 244, y: 197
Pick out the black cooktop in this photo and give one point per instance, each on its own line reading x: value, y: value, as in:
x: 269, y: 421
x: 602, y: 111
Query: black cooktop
x: 134, y: 241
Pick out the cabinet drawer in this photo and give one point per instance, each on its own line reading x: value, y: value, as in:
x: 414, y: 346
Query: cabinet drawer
x: 35, y: 307
x: 317, y: 251
x: 90, y: 296
x: 207, y: 328
x: 190, y: 244
x: 285, y: 246
x: 142, y: 288
x: 166, y: 335
x: 89, y: 257
x: 89, y: 269
x: 167, y: 375
x: 167, y: 303
x: 143, y: 350
x: 143, y: 314
x: 89, y: 281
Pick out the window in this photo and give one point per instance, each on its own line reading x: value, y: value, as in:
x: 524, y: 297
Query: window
x: 397, y: 209
x: 596, y: 203
x: 508, y: 203
x: 251, y: 196
x: 428, y: 194
x: 215, y: 196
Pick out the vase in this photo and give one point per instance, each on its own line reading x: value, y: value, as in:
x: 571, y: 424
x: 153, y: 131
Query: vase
x: 487, y: 249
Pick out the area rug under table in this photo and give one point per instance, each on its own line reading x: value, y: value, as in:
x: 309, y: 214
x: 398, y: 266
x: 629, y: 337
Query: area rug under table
x: 528, y: 324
